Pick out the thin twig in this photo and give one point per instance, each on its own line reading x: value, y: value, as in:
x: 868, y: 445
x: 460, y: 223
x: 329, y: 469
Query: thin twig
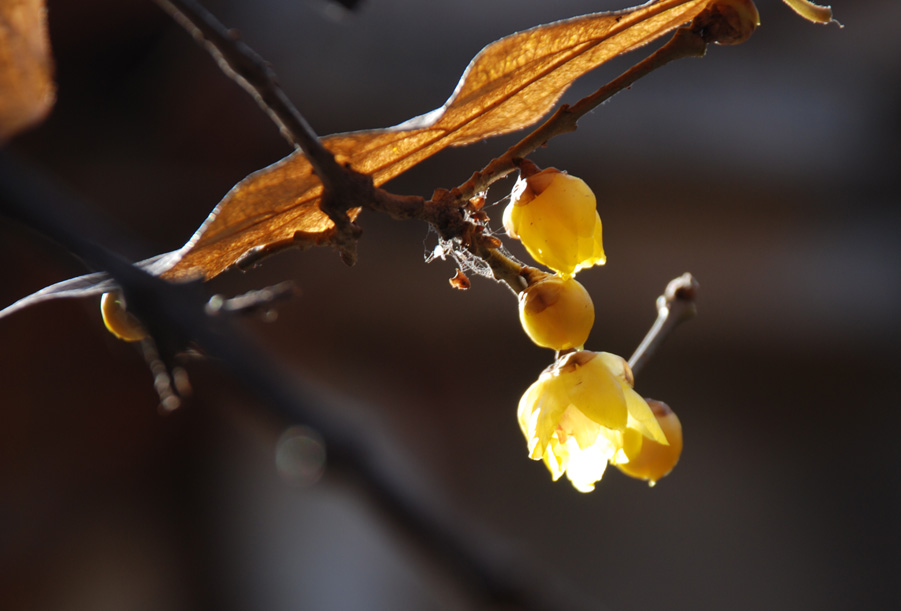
x: 243, y: 65
x: 675, y: 306
x: 684, y: 43
x: 252, y: 302
x: 343, y: 188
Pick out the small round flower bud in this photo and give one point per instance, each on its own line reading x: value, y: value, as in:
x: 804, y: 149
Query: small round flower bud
x: 556, y: 313
x: 119, y: 321
x: 651, y: 460
x: 555, y: 215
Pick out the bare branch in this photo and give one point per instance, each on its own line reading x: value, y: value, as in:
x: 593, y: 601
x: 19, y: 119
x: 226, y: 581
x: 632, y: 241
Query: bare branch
x: 346, y: 188
x: 245, y: 67
x: 684, y: 43
x: 675, y: 306
x: 252, y: 302
x: 343, y: 187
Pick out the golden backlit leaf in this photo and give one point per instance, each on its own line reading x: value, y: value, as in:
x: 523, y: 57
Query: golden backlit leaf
x: 26, y: 67
x: 509, y: 85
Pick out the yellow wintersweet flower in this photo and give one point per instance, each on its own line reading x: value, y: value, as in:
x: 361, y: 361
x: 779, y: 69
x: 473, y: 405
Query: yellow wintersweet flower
x: 555, y: 215
x: 582, y: 414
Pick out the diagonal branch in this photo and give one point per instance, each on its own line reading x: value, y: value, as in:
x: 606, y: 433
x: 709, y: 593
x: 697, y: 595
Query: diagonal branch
x: 684, y: 43
x: 675, y: 306
x: 243, y: 65
x: 343, y: 187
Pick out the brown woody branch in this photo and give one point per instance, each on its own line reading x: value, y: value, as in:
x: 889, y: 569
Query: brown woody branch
x: 248, y: 69
x: 675, y: 306
x: 343, y: 187
x: 684, y: 43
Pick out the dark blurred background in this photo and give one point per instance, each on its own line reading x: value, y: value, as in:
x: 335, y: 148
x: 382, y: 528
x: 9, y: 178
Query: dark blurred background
x: 769, y: 170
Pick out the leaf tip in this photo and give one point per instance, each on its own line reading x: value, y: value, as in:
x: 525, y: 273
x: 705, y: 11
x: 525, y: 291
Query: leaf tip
x: 813, y: 12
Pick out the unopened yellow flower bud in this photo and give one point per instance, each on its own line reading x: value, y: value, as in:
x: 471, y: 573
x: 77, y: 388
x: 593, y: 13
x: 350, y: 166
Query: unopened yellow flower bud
x: 555, y: 215
x: 654, y: 460
x: 119, y: 321
x: 580, y: 415
x: 557, y: 313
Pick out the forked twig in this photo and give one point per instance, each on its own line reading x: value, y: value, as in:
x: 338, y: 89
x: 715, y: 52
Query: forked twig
x: 684, y: 43
x: 345, y: 188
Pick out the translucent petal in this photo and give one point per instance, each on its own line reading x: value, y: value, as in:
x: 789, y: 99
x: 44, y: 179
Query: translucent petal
x: 511, y: 220
x: 558, y: 224
x: 586, y: 467
x: 641, y: 418
x: 632, y: 443
x: 591, y: 249
x: 578, y: 426
x: 599, y: 395
x: 618, y: 366
x: 527, y: 406
x: 571, y: 200
x: 655, y: 460
x: 556, y: 458
x: 552, y: 402
x: 547, y: 236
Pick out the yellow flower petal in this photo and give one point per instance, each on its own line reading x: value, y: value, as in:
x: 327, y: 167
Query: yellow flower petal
x: 654, y: 460
x: 599, y: 395
x: 641, y: 417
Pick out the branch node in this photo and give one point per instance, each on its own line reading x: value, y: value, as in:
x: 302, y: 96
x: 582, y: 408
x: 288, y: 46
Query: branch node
x: 675, y: 306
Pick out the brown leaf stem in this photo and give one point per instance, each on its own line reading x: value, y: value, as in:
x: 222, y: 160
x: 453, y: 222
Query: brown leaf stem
x: 675, y: 306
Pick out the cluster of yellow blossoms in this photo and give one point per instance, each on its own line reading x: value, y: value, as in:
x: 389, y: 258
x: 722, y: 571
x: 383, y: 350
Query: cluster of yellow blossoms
x: 582, y: 413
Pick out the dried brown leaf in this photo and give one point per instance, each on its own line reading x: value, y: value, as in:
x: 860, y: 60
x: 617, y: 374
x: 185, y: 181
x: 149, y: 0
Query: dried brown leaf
x: 26, y: 67
x: 509, y: 85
